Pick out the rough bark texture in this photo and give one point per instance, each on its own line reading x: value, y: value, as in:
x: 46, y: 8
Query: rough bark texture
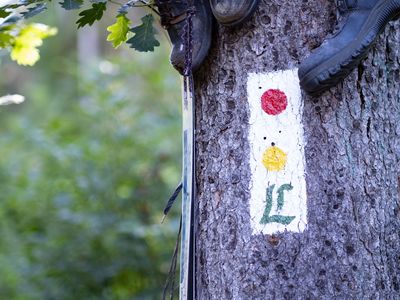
x: 351, y: 249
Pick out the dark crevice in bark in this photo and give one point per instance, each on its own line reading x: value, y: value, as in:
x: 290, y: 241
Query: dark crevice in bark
x: 360, y: 73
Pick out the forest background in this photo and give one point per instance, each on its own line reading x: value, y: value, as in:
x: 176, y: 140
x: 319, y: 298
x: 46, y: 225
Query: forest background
x: 86, y: 165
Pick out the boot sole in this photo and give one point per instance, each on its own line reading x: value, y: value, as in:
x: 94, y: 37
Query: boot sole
x: 245, y: 18
x: 332, y: 71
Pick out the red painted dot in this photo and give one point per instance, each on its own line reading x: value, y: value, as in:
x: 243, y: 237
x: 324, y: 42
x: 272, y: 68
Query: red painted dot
x: 273, y: 102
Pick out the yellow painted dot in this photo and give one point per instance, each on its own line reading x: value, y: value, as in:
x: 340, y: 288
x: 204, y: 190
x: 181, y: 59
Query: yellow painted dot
x: 274, y: 159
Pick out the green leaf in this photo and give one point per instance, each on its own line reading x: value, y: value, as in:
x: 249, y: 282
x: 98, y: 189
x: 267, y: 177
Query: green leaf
x: 89, y: 16
x: 6, y: 40
x: 123, y: 10
x: 4, y: 13
x: 10, y: 21
x: 144, y: 39
x: 118, y: 31
x: 71, y: 4
x: 29, y: 2
x: 33, y: 11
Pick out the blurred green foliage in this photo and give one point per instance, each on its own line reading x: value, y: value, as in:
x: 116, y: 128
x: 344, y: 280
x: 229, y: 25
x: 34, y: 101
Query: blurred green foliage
x: 86, y: 165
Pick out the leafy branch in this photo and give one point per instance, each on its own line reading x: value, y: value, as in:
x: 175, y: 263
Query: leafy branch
x: 22, y: 38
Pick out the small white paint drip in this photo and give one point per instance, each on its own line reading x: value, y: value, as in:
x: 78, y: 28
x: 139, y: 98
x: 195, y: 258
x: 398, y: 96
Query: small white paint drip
x: 285, y: 131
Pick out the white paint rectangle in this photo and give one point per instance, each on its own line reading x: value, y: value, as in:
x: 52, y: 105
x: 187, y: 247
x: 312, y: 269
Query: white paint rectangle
x: 278, y: 200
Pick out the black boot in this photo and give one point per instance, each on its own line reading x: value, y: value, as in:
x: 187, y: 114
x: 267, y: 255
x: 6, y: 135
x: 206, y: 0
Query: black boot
x: 173, y: 15
x: 361, y: 22
x: 233, y: 12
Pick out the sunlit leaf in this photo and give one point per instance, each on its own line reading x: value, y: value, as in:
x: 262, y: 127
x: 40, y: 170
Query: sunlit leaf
x: 118, y: 31
x: 30, y: 37
x: 89, y: 16
x: 26, y: 56
x: 144, y: 39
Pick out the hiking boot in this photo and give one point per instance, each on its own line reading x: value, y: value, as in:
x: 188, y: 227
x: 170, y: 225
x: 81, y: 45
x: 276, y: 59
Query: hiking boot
x: 360, y: 24
x: 233, y: 12
x: 173, y: 15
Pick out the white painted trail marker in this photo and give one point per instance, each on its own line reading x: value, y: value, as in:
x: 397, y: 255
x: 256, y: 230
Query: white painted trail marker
x: 278, y: 188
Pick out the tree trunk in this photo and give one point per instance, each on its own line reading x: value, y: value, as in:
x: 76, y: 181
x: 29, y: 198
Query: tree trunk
x: 350, y: 248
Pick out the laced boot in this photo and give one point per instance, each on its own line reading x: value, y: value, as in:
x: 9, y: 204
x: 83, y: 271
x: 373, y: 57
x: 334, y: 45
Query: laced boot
x: 233, y: 12
x: 173, y: 14
x: 360, y: 23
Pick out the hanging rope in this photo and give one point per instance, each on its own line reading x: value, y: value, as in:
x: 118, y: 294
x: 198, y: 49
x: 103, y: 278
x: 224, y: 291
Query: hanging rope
x: 188, y: 86
x: 169, y: 287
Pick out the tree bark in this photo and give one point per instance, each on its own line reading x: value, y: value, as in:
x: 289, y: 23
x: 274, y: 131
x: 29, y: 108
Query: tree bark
x: 351, y: 247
